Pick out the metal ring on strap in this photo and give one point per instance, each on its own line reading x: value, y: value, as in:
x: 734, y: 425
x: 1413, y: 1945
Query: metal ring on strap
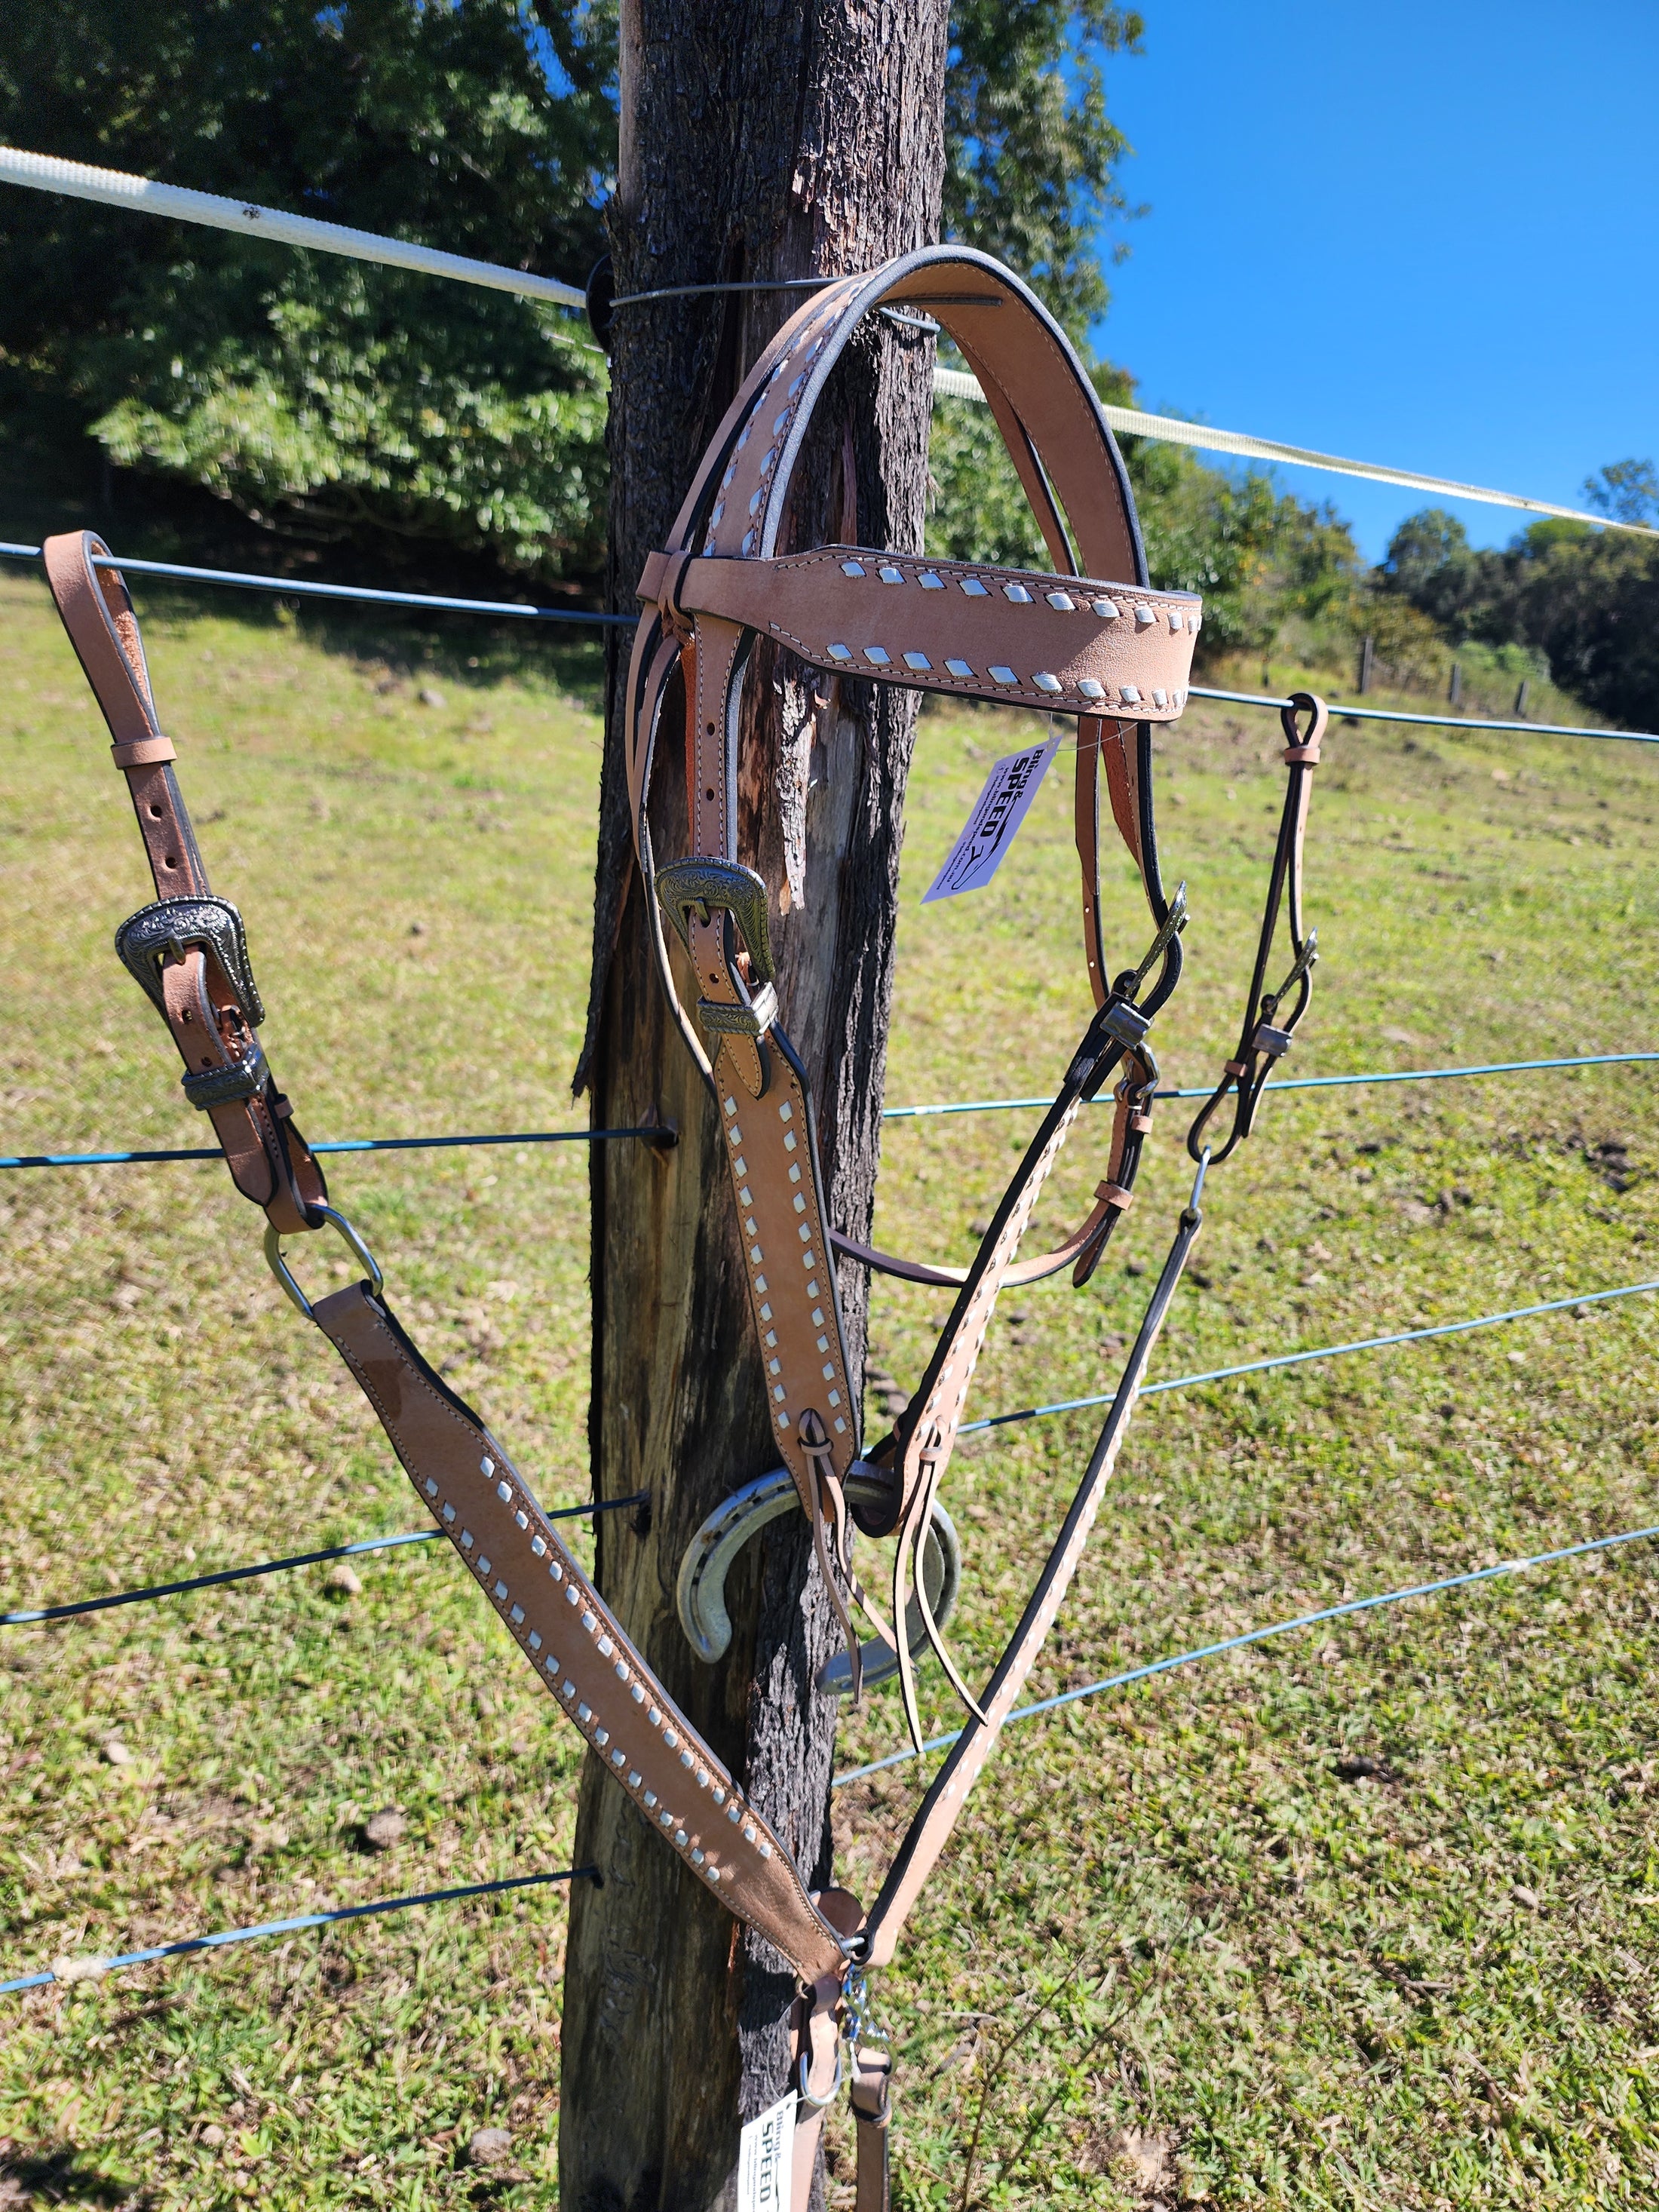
x: 354, y: 1242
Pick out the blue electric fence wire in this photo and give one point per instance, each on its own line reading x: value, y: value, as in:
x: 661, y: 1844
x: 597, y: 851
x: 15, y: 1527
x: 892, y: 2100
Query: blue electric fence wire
x: 95, y: 1969
x: 662, y: 1134
x: 1431, y: 721
x: 1322, y: 1351
x: 281, y: 1566
x: 969, y: 1428
x: 658, y: 1134
x: 1287, y: 1083
x: 290, y: 586
x: 1261, y: 1636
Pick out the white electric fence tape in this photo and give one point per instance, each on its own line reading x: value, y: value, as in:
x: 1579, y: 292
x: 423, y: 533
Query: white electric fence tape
x: 956, y: 384
x: 113, y: 188
x: 48, y: 173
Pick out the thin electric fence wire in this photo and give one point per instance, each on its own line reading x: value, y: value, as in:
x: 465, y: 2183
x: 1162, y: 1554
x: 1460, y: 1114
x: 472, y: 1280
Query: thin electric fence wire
x: 1321, y: 1351
x: 294, y: 588
x: 95, y: 1969
x: 152, y: 1591
x: 303, y: 588
x: 1249, y: 1635
x: 660, y: 1133
x: 1427, y: 721
x: 1286, y: 1083
x: 24, y: 1618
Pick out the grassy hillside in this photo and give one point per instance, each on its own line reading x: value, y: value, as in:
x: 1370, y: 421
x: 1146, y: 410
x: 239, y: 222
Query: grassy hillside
x: 1362, y: 1919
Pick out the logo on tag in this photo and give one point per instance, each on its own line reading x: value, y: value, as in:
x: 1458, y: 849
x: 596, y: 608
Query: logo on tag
x: 765, y: 2153
x: 997, y: 812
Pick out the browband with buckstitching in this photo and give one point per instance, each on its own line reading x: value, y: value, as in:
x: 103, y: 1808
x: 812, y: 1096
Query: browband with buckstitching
x: 1094, y: 641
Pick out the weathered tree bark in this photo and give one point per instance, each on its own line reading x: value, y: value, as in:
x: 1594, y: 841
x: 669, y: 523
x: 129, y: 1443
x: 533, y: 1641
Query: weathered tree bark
x: 760, y: 139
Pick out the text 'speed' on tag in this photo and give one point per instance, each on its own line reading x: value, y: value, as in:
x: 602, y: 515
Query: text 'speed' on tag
x: 765, y: 2154
x: 997, y: 812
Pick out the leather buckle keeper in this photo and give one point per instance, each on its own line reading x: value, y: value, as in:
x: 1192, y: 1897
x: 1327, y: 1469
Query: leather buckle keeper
x: 142, y: 752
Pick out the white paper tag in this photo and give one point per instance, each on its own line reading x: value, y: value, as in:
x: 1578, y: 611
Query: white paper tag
x: 997, y: 812
x: 765, y: 2153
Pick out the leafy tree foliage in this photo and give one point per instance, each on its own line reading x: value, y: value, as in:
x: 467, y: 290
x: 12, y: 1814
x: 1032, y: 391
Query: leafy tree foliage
x: 1626, y: 490
x: 1031, y: 150
x: 1589, y: 599
x: 322, y: 395
x: 325, y: 398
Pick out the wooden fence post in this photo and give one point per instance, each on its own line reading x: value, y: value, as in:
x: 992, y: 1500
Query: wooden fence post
x: 758, y: 141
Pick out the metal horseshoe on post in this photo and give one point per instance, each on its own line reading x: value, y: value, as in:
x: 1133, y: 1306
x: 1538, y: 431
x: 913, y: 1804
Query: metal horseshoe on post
x: 700, y: 1592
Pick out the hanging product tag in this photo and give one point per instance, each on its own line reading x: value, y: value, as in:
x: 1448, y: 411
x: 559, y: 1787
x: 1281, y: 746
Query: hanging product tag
x: 997, y: 812
x: 765, y: 2150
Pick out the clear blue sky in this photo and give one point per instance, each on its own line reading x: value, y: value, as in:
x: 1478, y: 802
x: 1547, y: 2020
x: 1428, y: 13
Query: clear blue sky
x: 1427, y: 235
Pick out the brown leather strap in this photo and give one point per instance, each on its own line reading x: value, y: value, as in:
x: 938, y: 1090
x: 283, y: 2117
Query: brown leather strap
x: 180, y: 950
x: 873, y: 2074
x: 1074, y: 644
x: 581, y: 1654
x: 942, y: 1805
x: 1013, y: 637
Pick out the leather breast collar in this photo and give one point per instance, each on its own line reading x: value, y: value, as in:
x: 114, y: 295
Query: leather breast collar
x: 1092, y: 640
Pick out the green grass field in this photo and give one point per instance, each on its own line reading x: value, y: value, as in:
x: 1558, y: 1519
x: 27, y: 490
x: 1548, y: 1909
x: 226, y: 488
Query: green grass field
x: 1184, y: 1952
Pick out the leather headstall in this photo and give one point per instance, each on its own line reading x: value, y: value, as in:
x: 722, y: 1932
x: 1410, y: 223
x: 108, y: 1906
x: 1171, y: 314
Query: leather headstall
x: 1092, y: 640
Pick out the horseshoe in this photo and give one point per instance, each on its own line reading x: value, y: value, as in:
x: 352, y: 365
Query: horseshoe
x: 700, y: 1593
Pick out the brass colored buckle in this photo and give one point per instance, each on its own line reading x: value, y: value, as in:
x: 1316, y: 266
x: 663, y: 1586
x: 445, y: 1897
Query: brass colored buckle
x: 706, y: 887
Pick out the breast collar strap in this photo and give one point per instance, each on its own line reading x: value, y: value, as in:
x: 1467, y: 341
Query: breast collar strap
x: 1114, y: 653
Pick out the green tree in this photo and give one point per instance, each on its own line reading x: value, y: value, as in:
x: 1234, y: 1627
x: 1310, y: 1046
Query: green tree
x: 328, y: 400
x: 321, y: 396
x: 1626, y: 490
x: 1031, y: 150
x: 1587, y: 599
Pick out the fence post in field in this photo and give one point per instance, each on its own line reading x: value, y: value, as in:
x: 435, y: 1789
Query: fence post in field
x: 1520, y: 696
x: 1455, y: 689
x: 1367, y: 658
x: 758, y: 141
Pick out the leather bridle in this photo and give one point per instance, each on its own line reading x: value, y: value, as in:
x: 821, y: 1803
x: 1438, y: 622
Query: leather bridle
x: 1114, y: 653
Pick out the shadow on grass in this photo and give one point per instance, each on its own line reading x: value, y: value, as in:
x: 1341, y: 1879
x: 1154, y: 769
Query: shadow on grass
x: 61, y: 2176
